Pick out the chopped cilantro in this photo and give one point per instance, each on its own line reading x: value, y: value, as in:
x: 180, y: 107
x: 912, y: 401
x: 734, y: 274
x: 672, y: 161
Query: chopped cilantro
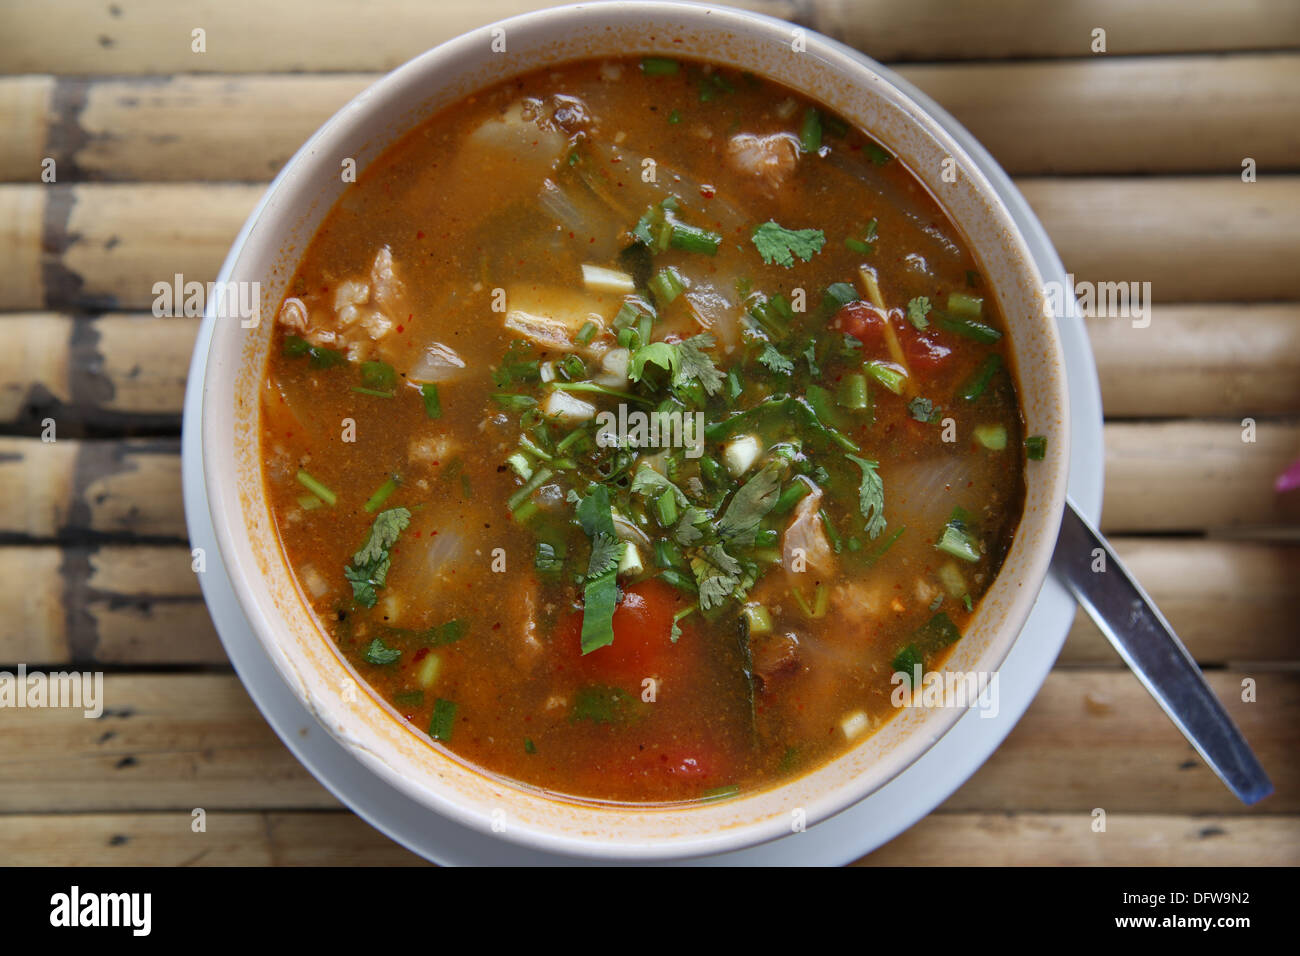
x: 906, y: 661
x: 686, y: 362
x: 676, y: 631
x: 774, y: 360
x: 690, y: 528
x: 917, y: 310
x: 750, y: 505
x: 936, y: 633
x: 606, y: 551
x: 649, y: 482
x: 663, y: 354
x: 810, y: 353
x: 515, y: 367
x: 369, y: 568
x: 697, y: 365
x: 924, y: 410
x: 718, y: 575
x: 779, y: 245
x: 379, y: 653
x: 871, y: 495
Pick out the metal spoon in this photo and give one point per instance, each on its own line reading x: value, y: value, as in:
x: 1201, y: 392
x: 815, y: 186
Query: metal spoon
x: 1130, y: 620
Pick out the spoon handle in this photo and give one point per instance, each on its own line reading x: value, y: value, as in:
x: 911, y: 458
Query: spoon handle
x: 1137, y: 629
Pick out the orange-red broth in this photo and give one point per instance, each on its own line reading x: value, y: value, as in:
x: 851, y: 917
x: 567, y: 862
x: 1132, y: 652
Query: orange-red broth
x: 462, y: 220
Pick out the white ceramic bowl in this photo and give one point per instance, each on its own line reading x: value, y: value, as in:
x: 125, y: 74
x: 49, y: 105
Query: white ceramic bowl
x: 279, y: 233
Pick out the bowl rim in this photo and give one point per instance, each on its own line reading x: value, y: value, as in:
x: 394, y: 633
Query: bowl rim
x: 846, y: 61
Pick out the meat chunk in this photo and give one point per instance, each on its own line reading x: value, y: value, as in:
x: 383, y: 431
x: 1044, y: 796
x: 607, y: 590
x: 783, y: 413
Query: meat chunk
x: 293, y: 315
x: 551, y: 317
x: 773, y: 655
x: 363, y: 311
x: 387, y: 291
x: 569, y: 113
x: 805, y: 546
x: 861, y: 603
x: 767, y: 161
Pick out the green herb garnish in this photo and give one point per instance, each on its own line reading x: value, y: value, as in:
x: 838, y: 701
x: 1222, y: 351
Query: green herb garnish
x: 369, y: 568
x: 778, y: 245
x: 600, y: 592
x: 295, y: 346
x: 871, y: 495
x: 917, y: 310
x: 443, y: 721
x: 432, y: 403
x: 378, y: 653
x: 774, y: 360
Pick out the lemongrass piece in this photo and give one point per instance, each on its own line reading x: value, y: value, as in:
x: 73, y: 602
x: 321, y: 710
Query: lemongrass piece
x: 872, y: 288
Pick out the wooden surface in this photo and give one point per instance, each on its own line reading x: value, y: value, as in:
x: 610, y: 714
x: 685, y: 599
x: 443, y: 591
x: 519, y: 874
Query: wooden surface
x: 1132, y: 159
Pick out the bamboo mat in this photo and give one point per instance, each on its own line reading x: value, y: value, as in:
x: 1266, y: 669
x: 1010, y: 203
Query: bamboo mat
x: 1132, y: 159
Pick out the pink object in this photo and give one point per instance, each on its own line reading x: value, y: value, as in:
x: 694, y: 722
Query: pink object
x: 1289, y: 480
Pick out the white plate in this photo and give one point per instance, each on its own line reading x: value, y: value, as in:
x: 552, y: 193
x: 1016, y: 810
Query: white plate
x: 841, y: 839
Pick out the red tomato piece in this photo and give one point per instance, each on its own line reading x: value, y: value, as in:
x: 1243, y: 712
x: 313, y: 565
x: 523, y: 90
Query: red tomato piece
x: 924, y: 352
x: 643, y: 645
x: 863, y: 321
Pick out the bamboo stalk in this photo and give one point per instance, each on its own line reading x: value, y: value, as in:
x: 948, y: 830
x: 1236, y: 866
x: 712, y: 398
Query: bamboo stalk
x: 1194, y: 476
x: 178, y: 741
x: 106, y: 604
x: 127, y: 371
x: 1097, y: 739
x: 1019, y: 29
x: 1225, y: 360
x: 1068, y: 839
x: 339, y: 838
x: 114, y: 371
x: 118, y: 605
x: 166, y: 741
x: 134, y: 37
x: 70, y: 488
x: 96, y: 246
x: 26, y: 115
x: 1194, y: 114
x: 1171, y: 476
x: 105, y: 246
x: 1127, y: 114
x: 1207, y: 239
x: 241, y: 838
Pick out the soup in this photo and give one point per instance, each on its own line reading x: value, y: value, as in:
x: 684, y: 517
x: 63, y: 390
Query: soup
x: 637, y: 429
